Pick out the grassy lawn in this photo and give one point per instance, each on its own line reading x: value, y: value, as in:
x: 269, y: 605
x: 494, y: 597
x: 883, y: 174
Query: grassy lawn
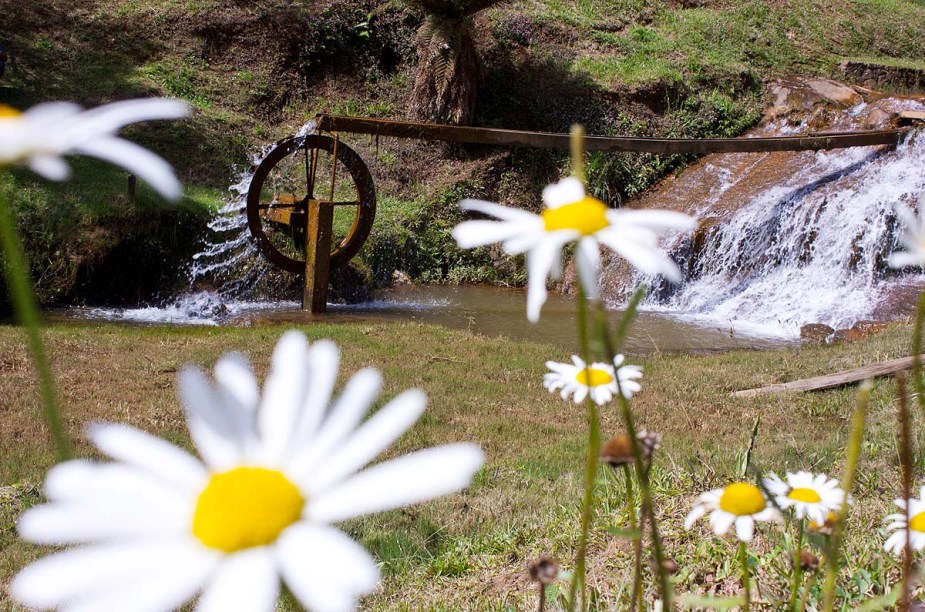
x: 471, y: 550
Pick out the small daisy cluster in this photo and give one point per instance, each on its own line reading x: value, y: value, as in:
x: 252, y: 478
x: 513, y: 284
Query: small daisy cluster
x: 741, y: 504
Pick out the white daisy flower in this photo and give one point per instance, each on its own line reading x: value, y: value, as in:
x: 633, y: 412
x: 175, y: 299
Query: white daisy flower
x: 42, y: 135
x: 572, y: 215
x: 811, y: 496
x: 578, y: 380
x: 156, y: 526
x: 912, y: 237
x: 739, y: 504
x: 916, y: 526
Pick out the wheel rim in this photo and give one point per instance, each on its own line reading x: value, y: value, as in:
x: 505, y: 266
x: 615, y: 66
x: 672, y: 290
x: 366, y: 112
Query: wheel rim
x: 278, y: 196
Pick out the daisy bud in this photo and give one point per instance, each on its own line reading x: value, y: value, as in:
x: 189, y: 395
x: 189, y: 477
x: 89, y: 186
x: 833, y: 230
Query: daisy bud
x: 544, y: 570
x: 808, y: 561
x: 618, y: 450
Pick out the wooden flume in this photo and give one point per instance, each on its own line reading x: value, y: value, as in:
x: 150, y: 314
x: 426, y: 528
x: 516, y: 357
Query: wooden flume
x: 288, y: 209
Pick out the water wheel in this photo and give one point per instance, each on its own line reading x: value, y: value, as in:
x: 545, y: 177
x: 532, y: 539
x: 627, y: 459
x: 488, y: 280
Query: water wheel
x: 299, y: 171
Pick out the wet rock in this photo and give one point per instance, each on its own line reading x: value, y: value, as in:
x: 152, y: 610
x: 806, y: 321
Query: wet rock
x: 816, y: 332
x: 867, y: 327
x: 847, y: 335
x: 400, y: 278
x: 833, y: 91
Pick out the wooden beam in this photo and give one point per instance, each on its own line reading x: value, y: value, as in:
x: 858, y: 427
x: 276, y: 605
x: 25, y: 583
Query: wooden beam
x: 834, y: 380
x: 660, y: 146
x: 319, y: 228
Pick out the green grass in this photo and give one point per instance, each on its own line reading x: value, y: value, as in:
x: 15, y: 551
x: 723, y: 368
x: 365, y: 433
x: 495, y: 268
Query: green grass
x: 639, y: 43
x: 73, y: 224
x: 471, y: 549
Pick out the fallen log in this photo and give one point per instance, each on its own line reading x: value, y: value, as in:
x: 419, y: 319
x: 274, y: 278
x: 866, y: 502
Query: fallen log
x: 834, y: 380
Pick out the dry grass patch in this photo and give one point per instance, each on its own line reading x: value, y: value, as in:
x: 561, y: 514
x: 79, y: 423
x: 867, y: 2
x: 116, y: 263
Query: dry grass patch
x: 471, y: 549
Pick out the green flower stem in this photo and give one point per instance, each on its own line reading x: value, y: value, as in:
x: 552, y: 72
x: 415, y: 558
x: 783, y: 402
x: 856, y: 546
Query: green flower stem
x: 27, y: 314
x: 797, y: 565
x: 642, y: 471
x: 908, y: 465
x: 637, y: 538
x: 594, y: 444
x: 746, y: 578
x: 917, y: 382
x: 854, y: 450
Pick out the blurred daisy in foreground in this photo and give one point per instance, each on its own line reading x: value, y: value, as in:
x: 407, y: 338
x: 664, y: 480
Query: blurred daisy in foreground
x: 571, y: 215
x: 916, y: 526
x: 42, y: 135
x: 912, y: 237
x: 156, y: 526
x: 739, y: 504
x: 811, y: 496
x: 599, y: 379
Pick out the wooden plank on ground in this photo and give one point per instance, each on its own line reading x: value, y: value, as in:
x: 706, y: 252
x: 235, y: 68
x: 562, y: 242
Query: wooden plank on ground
x: 834, y: 380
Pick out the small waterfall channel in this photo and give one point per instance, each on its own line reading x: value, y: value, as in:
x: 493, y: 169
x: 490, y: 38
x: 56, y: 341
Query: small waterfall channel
x: 788, y: 239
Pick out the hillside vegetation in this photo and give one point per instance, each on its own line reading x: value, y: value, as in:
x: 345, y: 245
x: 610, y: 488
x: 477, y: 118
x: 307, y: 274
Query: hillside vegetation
x: 256, y: 71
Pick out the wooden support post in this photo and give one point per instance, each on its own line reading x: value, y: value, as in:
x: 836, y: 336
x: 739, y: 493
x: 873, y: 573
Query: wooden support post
x: 319, y: 229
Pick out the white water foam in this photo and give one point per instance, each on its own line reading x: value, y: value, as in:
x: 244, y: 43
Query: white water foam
x: 812, y: 248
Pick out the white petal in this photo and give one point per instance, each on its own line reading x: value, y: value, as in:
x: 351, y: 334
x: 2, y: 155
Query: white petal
x: 470, y: 234
x: 73, y: 574
x: 745, y: 528
x: 540, y: 262
x: 656, y: 220
x: 325, y: 569
x: 49, y: 166
x: 896, y: 543
x: 564, y: 192
x: 109, y: 118
x: 400, y: 482
x: 323, y: 362
x: 375, y: 435
x: 283, y: 396
x: 721, y: 521
x: 166, y: 587
x: 236, y: 380
x: 588, y: 259
x: 505, y: 213
x: 213, y: 426
x: 86, y: 521
x: 245, y: 581
x: 85, y: 481
x: 347, y: 411
x: 137, y: 160
x: 149, y: 453
x: 647, y: 258
x: 697, y: 511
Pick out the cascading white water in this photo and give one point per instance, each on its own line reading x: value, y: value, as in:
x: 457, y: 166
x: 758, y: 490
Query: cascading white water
x: 810, y: 246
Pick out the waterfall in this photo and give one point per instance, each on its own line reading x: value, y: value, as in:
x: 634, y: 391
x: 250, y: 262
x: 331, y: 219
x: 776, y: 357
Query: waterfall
x: 788, y: 239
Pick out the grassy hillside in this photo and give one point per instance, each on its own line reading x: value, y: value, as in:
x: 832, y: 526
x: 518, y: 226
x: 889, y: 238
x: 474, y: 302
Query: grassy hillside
x: 256, y: 71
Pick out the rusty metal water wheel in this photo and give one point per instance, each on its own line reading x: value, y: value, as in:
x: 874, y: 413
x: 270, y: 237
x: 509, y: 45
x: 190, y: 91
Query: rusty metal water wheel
x: 298, y: 171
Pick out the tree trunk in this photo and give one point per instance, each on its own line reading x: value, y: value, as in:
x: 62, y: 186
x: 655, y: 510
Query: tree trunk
x: 448, y: 72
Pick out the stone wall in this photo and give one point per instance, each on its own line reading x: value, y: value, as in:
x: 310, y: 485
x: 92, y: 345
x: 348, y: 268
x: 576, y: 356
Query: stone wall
x: 876, y: 76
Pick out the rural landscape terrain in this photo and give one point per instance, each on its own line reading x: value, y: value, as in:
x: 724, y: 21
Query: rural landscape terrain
x: 255, y: 72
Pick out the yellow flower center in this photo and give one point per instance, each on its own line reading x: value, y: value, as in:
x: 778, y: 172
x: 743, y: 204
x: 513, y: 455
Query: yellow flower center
x: 593, y: 377
x: 802, y: 494
x: 587, y: 215
x: 742, y: 499
x: 917, y: 522
x: 8, y: 112
x: 245, y: 507
x: 829, y: 521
